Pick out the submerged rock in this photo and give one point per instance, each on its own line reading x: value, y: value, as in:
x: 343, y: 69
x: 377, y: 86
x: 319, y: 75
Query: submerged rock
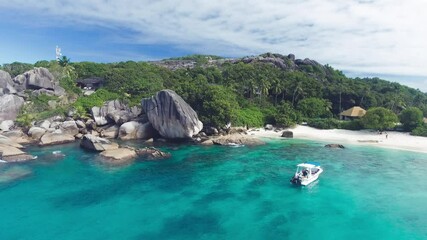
x: 152, y: 153
x: 9, y: 153
x: 171, y: 116
x: 14, y: 173
x: 119, y: 155
x: 94, y: 143
x: 334, y: 145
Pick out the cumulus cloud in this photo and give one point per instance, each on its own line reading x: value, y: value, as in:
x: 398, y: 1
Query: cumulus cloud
x: 375, y: 36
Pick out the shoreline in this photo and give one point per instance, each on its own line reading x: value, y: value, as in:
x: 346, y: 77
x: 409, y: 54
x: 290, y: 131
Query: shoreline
x: 390, y: 140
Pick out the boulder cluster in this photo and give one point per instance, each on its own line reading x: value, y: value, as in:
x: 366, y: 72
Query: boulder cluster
x: 114, y: 154
x: 166, y: 116
x: 285, y: 62
x: 15, y: 91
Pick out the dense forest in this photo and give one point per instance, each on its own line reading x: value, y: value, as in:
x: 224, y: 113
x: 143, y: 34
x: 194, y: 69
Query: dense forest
x: 251, y: 91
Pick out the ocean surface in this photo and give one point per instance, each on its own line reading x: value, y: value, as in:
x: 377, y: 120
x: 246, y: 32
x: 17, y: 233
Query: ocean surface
x: 216, y: 192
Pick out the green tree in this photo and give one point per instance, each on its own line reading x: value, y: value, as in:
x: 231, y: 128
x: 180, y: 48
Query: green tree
x: 219, y: 106
x: 249, y: 117
x: 411, y: 118
x: 379, y: 118
x: 314, y: 108
x: 286, y: 115
x: 420, y: 130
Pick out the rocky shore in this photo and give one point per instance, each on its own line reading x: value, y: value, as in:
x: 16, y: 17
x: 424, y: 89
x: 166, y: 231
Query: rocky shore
x: 162, y: 117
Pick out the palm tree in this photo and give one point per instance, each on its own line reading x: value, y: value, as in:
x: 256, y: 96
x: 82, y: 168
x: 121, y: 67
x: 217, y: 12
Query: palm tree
x: 278, y: 88
x: 64, y: 61
x: 297, y: 91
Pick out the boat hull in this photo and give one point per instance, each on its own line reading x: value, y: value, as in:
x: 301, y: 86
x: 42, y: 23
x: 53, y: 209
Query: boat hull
x: 307, y: 181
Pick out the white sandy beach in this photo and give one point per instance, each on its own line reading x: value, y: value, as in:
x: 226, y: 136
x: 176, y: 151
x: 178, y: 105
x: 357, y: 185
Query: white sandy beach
x: 395, y: 140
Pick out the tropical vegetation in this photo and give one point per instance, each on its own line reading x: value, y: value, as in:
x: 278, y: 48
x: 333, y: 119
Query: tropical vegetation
x: 250, y: 93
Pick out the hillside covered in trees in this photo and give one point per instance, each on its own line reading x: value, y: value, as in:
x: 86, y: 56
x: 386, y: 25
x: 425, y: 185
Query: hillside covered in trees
x: 251, y: 91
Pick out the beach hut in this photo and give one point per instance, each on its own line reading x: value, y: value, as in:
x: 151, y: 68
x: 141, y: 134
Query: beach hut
x: 352, y: 113
x: 91, y: 83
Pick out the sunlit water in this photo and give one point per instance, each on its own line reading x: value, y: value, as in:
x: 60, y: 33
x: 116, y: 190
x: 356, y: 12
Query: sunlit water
x: 217, y: 193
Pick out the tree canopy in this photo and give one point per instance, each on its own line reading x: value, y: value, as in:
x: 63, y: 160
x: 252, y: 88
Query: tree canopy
x: 411, y: 118
x: 379, y: 118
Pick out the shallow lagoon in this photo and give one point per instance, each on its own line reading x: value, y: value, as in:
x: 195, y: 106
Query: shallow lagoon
x: 217, y: 193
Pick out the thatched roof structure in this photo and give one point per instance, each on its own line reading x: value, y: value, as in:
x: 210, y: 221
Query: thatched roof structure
x: 354, y: 112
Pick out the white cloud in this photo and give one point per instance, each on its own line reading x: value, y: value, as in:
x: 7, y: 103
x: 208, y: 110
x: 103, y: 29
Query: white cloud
x: 376, y: 36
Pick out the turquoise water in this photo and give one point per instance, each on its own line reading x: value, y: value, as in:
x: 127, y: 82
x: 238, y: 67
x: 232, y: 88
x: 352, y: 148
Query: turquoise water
x: 217, y: 193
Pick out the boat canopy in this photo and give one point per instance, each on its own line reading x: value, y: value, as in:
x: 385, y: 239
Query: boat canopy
x: 308, y: 165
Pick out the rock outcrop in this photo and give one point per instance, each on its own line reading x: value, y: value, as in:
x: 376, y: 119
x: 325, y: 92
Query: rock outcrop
x: 114, y: 112
x: 171, y: 116
x: 6, y: 125
x: 10, y: 106
x: 45, y: 124
x: 40, y: 81
x: 287, y: 134
x: 8, y: 142
x: 6, y: 83
x: 110, y: 131
x: 38, y: 78
x: 69, y: 127
x: 235, y: 139
x: 36, y: 133
x: 268, y: 127
x: 136, y: 130
x: 17, y: 136
x: 55, y: 137
x: 13, y: 154
x: 98, y: 144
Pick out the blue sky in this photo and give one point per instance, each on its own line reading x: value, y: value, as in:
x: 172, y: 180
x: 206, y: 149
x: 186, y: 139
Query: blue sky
x: 383, y: 38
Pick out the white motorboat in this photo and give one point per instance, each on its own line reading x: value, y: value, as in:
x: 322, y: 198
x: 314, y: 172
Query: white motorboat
x: 306, y: 173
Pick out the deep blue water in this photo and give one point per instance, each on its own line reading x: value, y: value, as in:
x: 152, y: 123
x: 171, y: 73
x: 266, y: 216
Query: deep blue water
x: 214, y: 192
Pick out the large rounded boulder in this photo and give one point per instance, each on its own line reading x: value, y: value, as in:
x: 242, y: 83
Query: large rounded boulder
x: 136, y: 130
x: 6, y: 83
x: 10, y: 105
x: 38, y: 78
x: 171, y: 116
